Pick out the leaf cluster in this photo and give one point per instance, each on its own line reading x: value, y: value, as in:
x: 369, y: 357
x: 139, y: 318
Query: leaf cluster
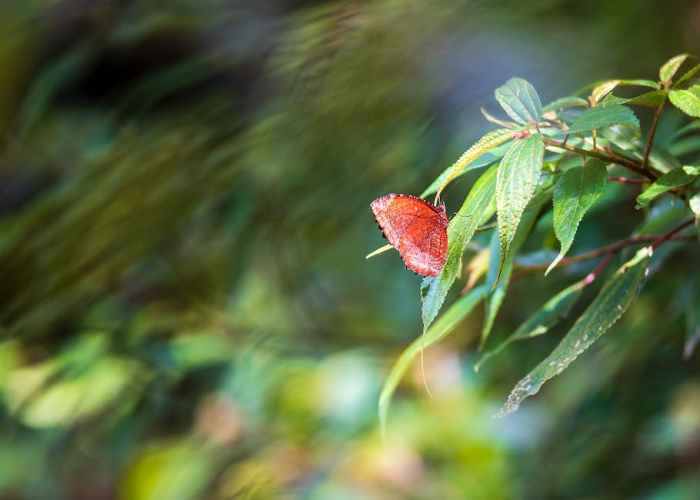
x: 561, y: 158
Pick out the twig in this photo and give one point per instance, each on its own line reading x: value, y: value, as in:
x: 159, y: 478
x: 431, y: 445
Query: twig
x: 652, y: 133
x: 614, y: 248
x: 626, y: 180
x: 591, y: 277
x: 664, y: 238
x: 608, y: 156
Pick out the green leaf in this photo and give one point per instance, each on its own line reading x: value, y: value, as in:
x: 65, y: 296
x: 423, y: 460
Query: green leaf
x: 603, y: 116
x: 639, y: 82
x: 685, y: 146
x: 520, y: 101
x: 477, y: 208
x: 675, y: 178
x: 575, y: 192
x: 626, y: 139
x: 484, y: 145
x: 456, y: 313
x: 688, y: 75
x: 500, y: 269
x: 553, y: 311
x: 693, y: 126
x: 565, y: 103
x: 670, y: 67
x: 497, y: 121
x: 648, y: 99
x: 694, y: 203
x: 518, y: 176
x: 614, y: 299
x: 687, y: 101
x: 603, y: 89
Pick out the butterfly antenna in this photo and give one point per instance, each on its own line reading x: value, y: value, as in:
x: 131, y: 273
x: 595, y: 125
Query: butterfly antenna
x: 379, y: 250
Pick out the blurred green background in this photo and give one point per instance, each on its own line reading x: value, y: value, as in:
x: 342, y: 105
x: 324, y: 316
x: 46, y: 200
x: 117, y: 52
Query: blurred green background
x: 185, y: 307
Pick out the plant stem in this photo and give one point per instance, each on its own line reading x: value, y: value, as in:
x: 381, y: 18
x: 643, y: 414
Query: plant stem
x: 652, y: 133
x: 616, y: 247
x: 626, y: 180
x: 599, y: 268
x: 664, y: 238
x: 623, y: 161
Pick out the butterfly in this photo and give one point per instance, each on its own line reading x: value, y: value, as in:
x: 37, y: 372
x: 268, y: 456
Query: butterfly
x: 416, y: 228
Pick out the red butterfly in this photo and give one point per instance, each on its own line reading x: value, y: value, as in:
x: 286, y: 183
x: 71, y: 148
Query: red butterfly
x: 416, y: 228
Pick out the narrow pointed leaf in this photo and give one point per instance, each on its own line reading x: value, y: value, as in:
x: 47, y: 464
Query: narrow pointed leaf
x: 602, y: 93
x: 565, y: 103
x: 687, y: 101
x: 497, y: 121
x: 670, y: 67
x: 603, y: 89
x: 551, y: 313
x: 694, y: 203
x: 603, y: 116
x: 687, y: 75
x: 674, y: 179
x: 519, y: 100
x: 518, y: 176
x: 639, y: 82
x: 649, y: 99
x: 575, y: 192
x: 685, y: 146
x: 477, y: 208
x: 693, y: 126
x: 612, y: 302
x: 447, y: 322
x: 470, y: 159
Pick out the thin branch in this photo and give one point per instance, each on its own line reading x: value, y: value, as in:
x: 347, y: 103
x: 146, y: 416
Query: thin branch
x: 608, y: 156
x: 626, y: 180
x: 652, y: 133
x: 614, y: 248
x: 599, y: 269
x: 673, y: 232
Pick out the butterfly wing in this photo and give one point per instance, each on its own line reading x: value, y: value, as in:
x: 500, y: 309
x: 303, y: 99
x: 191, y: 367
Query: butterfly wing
x: 416, y: 228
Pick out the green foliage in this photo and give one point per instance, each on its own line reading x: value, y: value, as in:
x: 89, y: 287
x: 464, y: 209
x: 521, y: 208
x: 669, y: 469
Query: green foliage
x: 477, y: 208
x: 670, y: 67
x: 520, y: 101
x: 501, y: 268
x: 610, y: 304
x: 517, y: 180
x: 456, y: 313
x: 543, y: 152
x: 466, y: 162
x: 565, y: 103
x: 674, y: 179
x: 551, y: 313
x: 183, y: 201
x: 603, y: 116
x: 575, y: 192
x: 687, y: 100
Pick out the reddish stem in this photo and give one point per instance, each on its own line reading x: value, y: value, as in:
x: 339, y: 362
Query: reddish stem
x: 626, y: 180
x: 673, y: 232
